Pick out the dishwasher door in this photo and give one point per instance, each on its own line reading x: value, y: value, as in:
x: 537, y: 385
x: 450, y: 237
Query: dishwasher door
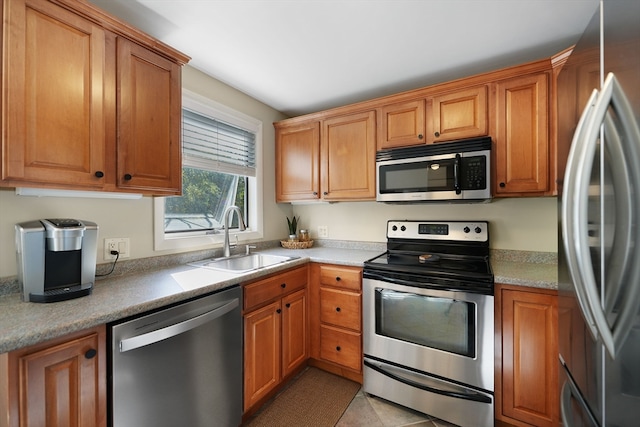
x: 180, y: 366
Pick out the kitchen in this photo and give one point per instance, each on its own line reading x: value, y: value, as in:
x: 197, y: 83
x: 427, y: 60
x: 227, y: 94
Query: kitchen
x: 517, y: 224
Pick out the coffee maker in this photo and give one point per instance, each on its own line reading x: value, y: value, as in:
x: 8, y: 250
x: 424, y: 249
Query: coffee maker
x: 56, y: 258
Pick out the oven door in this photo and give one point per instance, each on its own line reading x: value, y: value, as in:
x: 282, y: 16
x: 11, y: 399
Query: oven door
x: 447, y: 334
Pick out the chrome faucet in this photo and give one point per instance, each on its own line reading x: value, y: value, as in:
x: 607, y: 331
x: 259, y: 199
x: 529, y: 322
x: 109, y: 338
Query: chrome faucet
x: 226, y: 249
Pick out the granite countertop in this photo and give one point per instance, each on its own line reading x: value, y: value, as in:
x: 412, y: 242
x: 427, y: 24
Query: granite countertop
x: 121, y: 296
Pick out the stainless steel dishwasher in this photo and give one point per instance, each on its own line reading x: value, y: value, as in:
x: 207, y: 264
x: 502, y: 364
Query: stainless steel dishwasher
x: 180, y: 366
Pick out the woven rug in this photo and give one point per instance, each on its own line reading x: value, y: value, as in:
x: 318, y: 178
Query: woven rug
x: 315, y: 399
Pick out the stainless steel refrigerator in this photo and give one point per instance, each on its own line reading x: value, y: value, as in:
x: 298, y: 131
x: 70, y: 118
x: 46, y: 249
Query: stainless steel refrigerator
x: 599, y: 221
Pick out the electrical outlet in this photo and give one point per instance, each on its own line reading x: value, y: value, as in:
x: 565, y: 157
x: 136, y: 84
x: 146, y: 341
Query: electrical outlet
x: 323, y: 231
x: 116, y: 244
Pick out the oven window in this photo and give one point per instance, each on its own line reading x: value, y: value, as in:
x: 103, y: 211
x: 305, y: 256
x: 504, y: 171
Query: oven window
x: 441, y: 323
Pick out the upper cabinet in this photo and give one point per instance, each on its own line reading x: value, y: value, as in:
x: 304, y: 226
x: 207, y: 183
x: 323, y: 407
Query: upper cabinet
x: 402, y: 124
x: 90, y: 102
x: 522, y: 135
x: 331, y: 159
x: 348, y: 155
x: 458, y: 115
x: 298, y: 162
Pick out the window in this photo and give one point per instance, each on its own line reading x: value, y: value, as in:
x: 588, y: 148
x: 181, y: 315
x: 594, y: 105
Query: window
x: 220, y: 168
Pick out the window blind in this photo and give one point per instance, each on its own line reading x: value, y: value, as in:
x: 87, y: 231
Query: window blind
x: 213, y: 145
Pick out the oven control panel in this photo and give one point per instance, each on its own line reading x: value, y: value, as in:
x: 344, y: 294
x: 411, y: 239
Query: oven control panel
x: 467, y: 231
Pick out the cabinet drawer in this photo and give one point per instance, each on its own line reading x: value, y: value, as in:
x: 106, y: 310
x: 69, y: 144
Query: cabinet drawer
x: 340, y: 308
x: 265, y: 290
x: 341, y: 277
x: 341, y: 347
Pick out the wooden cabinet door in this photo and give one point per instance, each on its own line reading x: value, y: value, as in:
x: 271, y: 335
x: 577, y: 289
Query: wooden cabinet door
x: 298, y: 162
x: 261, y: 352
x: 402, y: 124
x: 54, y: 120
x: 62, y: 383
x: 348, y: 156
x: 529, y: 357
x: 522, y: 138
x: 149, y: 115
x: 458, y: 115
x: 295, y: 344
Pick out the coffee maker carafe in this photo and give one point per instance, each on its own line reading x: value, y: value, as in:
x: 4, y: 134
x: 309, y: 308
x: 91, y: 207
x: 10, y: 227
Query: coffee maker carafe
x: 56, y: 258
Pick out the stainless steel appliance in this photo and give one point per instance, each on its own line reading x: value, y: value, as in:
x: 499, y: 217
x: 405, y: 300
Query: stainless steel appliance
x: 180, y: 366
x: 599, y: 210
x: 448, y: 171
x: 428, y: 320
x: 56, y: 258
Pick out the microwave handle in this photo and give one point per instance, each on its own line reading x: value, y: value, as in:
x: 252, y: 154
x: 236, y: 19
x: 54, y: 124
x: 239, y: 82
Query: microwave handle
x: 456, y: 174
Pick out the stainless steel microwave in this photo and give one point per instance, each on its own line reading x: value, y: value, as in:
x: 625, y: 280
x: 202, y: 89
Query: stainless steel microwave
x: 448, y: 171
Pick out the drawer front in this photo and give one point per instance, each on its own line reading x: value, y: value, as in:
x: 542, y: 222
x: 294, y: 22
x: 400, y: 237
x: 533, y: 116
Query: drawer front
x: 340, y: 308
x: 341, y: 347
x: 341, y: 277
x: 265, y: 290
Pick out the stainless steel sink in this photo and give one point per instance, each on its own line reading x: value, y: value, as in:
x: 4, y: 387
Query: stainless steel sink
x: 243, y: 263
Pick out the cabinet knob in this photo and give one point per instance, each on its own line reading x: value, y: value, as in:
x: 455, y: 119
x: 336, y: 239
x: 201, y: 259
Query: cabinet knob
x: 99, y: 174
x: 288, y: 305
x: 338, y: 348
x: 502, y: 185
x: 437, y: 134
x: 90, y: 354
x: 338, y: 309
x: 326, y: 193
x: 338, y: 278
x: 127, y: 177
x: 278, y: 311
x: 420, y: 136
x: 284, y: 285
x: 315, y: 193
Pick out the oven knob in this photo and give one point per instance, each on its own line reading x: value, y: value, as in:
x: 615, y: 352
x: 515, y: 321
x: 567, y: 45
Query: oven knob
x: 466, y: 229
x: 403, y: 228
x: 478, y: 230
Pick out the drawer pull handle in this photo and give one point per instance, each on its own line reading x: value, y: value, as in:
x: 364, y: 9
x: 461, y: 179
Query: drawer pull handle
x: 338, y: 348
x: 90, y: 354
x: 338, y: 309
x: 284, y: 285
x: 338, y: 279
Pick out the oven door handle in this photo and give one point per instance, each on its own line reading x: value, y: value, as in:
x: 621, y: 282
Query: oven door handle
x: 477, y: 397
x: 385, y: 278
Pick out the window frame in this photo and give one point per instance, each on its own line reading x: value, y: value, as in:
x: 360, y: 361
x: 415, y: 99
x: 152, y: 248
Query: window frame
x: 200, y: 239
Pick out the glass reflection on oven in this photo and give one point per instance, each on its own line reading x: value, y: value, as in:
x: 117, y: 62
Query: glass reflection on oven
x: 440, y: 323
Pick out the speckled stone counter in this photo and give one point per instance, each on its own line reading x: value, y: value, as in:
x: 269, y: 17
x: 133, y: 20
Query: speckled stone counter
x: 145, y: 285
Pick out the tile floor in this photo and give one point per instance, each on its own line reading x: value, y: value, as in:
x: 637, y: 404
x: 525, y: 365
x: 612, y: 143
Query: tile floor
x: 371, y: 411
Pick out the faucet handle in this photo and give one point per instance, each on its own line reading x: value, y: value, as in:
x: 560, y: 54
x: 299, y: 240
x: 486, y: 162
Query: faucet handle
x: 249, y: 247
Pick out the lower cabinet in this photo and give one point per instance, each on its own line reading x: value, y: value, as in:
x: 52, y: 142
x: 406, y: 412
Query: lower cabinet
x: 336, y: 319
x: 526, y: 356
x: 60, y: 383
x: 275, y: 333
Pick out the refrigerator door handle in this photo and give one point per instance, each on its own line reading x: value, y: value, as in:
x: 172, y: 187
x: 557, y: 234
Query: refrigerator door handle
x: 629, y: 145
x: 611, y: 95
x: 569, y: 214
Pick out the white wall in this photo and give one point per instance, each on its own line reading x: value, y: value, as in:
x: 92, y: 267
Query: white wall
x: 134, y: 218
x: 528, y: 224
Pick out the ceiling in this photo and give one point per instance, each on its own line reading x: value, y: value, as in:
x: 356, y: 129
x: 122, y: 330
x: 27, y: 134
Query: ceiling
x: 301, y: 56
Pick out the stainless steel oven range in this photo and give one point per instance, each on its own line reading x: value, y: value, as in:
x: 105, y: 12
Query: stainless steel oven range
x: 428, y: 320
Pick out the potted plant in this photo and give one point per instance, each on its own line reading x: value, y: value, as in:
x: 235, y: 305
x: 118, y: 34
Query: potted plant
x: 293, y: 228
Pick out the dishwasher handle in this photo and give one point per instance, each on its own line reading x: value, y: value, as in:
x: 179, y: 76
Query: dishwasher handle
x: 177, y: 329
